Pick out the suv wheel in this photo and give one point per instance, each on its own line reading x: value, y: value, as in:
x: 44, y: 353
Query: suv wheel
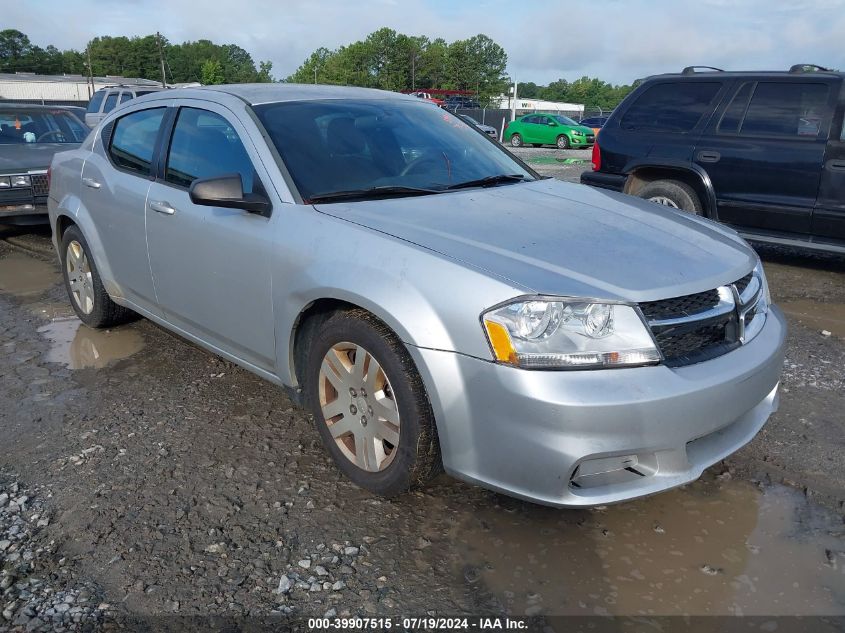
x: 672, y: 193
x: 370, y: 405
x: 563, y: 141
x: 516, y: 140
x: 88, y: 297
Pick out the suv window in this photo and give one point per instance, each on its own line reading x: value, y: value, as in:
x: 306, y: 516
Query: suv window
x: 671, y: 107
x: 732, y: 117
x: 96, y: 100
x: 205, y: 145
x: 786, y: 109
x: 125, y: 96
x: 111, y: 102
x: 133, y: 140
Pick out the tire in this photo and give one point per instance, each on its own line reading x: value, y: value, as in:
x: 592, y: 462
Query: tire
x: 672, y: 193
x: 88, y: 297
x: 364, y: 445
x: 516, y: 140
x: 563, y: 141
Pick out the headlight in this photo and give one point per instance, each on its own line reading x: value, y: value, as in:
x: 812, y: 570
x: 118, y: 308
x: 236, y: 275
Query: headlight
x: 568, y: 334
x: 577, y: 132
x: 21, y: 181
x: 4, y: 182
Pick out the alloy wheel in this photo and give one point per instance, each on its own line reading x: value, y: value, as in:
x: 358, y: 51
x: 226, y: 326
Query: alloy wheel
x: 79, y: 277
x: 667, y: 202
x: 359, y: 407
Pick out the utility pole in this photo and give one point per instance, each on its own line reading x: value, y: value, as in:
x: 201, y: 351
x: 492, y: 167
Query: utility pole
x: 315, y: 75
x: 513, y: 103
x: 90, y: 72
x: 161, y: 60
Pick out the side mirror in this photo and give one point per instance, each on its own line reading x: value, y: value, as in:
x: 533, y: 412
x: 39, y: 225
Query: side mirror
x: 228, y: 192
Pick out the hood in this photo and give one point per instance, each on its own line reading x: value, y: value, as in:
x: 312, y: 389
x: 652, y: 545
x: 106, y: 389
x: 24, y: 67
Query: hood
x: 585, y: 129
x: 21, y: 157
x: 557, y: 238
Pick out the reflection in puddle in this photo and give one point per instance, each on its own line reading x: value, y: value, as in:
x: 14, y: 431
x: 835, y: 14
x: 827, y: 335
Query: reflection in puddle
x: 817, y: 315
x: 78, y: 346
x: 25, y: 276
x: 706, y: 549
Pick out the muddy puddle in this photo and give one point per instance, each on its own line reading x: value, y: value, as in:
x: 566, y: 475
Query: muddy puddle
x: 706, y: 549
x: 26, y: 277
x: 77, y: 346
x: 817, y: 315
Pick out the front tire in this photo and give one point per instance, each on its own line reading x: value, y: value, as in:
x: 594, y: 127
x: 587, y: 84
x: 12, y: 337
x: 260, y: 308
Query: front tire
x: 563, y: 141
x: 516, y: 140
x: 674, y: 194
x: 85, y: 289
x: 370, y: 406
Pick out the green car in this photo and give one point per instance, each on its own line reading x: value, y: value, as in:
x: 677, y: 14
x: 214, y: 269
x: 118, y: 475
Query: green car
x: 548, y: 129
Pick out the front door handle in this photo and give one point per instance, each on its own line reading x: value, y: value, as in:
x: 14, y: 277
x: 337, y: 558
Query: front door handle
x: 708, y: 156
x: 835, y: 164
x: 162, y: 207
x: 90, y: 182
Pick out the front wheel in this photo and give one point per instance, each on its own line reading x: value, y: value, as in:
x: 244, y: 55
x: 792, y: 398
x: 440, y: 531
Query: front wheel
x: 85, y: 289
x: 516, y: 140
x: 563, y: 141
x: 370, y: 405
x: 674, y: 194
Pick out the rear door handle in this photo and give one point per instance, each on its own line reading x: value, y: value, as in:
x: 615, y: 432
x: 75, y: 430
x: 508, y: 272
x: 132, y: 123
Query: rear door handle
x: 90, y: 182
x: 707, y: 156
x: 160, y: 206
x: 835, y: 164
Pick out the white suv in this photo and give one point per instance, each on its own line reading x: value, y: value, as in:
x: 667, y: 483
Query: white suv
x: 107, y: 99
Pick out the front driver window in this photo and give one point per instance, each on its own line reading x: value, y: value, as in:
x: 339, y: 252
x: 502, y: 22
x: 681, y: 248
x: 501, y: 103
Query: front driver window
x: 205, y: 145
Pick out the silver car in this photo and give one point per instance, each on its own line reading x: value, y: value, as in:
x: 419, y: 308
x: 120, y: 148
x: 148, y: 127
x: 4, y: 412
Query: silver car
x: 430, y: 299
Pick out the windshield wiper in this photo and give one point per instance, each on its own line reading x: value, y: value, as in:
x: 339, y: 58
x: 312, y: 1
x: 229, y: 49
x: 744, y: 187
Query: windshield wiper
x: 488, y: 181
x: 372, y: 193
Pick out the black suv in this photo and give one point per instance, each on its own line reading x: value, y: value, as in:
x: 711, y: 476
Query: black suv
x: 761, y: 151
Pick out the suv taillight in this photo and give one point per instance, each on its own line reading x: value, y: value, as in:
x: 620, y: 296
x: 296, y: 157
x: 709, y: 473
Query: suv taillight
x: 596, y: 160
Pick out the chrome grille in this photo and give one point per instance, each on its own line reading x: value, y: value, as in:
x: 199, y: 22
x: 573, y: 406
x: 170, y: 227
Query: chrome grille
x: 693, y: 328
x: 40, y: 185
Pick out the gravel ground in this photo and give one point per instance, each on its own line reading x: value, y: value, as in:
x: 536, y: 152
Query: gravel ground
x: 168, y: 481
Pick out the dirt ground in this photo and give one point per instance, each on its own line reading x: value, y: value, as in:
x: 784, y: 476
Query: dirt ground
x: 141, y: 476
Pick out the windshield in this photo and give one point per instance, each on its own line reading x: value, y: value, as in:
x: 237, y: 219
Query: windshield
x: 22, y: 126
x: 565, y: 120
x: 341, y: 145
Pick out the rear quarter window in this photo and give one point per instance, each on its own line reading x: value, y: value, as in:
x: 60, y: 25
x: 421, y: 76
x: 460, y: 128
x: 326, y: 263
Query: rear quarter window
x: 671, y: 107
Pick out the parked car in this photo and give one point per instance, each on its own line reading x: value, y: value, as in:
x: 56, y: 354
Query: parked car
x: 107, y: 99
x: 761, y: 151
x: 461, y: 102
x: 489, y: 130
x: 429, y: 297
x: 29, y: 136
x: 594, y: 122
x: 548, y: 129
x: 428, y: 97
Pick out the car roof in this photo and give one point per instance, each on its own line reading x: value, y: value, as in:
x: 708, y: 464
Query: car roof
x: 830, y: 74
x: 37, y: 106
x: 256, y: 94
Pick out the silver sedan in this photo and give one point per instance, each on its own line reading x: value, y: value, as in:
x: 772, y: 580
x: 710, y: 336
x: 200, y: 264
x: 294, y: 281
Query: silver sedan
x: 431, y: 299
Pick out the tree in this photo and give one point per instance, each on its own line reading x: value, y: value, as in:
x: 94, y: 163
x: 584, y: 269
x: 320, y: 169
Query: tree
x: 15, y: 50
x: 212, y: 73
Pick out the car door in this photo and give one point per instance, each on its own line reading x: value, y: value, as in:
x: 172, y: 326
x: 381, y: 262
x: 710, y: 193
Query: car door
x: 116, y: 178
x: 764, y: 155
x: 530, y: 132
x: 211, y: 265
x: 829, y: 213
x: 547, y: 130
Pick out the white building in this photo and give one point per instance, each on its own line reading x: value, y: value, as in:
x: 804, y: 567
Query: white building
x: 505, y: 102
x: 64, y: 89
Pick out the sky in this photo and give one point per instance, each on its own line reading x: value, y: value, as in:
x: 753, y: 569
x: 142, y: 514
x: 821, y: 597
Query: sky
x: 616, y: 40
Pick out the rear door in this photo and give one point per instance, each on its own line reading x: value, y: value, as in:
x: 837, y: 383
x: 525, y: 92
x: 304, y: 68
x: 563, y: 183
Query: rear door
x: 764, y: 155
x: 829, y: 214
x: 210, y: 265
x: 116, y: 177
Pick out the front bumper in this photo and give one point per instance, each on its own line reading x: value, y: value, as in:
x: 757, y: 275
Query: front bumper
x: 539, y: 435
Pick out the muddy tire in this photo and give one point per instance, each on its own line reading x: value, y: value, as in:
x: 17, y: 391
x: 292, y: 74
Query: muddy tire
x: 674, y: 194
x: 370, y: 405
x: 562, y: 141
x: 85, y: 290
x: 516, y: 140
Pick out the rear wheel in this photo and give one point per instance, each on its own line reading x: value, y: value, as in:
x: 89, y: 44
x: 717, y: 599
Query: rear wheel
x: 516, y: 140
x: 563, y: 141
x: 88, y: 297
x: 672, y: 193
x: 370, y: 405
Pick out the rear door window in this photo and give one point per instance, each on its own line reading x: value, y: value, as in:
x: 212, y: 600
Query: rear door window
x: 96, y: 100
x: 671, y: 107
x: 786, y: 109
x: 111, y: 102
x: 133, y: 140
x: 732, y: 118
